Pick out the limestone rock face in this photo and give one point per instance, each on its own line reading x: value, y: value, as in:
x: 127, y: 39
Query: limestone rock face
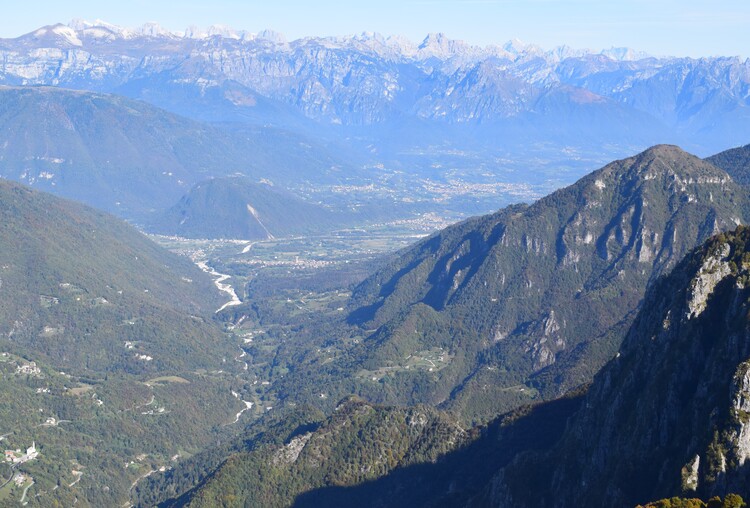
x: 711, y: 273
x: 289, y: 453
x: 738, y: 442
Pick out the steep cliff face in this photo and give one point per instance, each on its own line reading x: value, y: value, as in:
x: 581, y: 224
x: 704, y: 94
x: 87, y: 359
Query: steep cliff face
x: 541, y: 295
x: 669, y: 414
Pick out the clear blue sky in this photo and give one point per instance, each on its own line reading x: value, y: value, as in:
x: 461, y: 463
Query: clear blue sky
x: 661, y: 27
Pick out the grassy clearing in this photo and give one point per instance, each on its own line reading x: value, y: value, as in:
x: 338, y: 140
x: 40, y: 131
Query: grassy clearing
x: 430, y: 360
x: 80, y: 389
x: 166, y: 379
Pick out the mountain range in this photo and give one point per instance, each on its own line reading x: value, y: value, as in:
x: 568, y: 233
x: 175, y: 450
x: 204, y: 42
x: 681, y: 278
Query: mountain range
x: 395, y: 97
x: 130, y: 158
x: 571, y: 271
x: 368, y: 78
x: 317, y: 115
x: 591, y: 343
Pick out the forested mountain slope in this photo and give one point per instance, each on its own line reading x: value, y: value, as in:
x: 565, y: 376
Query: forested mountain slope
x: 735, y: 161
x: 110, y: 359
x: 532, y: 300
x: 667, y: 416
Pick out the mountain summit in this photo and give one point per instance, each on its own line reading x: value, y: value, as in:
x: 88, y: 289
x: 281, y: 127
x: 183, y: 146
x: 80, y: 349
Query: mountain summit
x: 238, y: 207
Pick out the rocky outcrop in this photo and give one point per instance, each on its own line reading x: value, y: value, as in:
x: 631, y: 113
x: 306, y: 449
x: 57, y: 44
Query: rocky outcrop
x: 713, y: 271
x: 739, y: 437
x: 289, y: 453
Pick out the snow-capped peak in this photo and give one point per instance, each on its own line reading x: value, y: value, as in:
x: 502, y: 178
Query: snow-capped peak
x: 562, y: 52
x: 436, y: 42
x: 153, y: 29
x: 370, y: 36
x: 99, y: 29
x: 402, y: 44
x: 624, y: 54
x: 272, y: 36
x: 58, y: 32
x: 515, y: 46
x: 438, y: 45
x: 105, y: 30
x: 223, y: 31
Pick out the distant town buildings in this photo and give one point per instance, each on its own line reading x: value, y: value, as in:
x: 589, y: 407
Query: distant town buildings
x: 28, y: 368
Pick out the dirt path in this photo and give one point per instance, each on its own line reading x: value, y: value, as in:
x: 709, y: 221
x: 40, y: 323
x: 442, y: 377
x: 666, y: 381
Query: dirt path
x: 25, y: 491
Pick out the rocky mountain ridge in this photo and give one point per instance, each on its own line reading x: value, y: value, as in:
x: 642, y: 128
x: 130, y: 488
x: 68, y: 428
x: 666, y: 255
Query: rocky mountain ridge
x: 369, y: 80
x: 80, y: 31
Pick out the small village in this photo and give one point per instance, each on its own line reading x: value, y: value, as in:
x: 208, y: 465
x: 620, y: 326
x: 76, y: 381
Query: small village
x: 18, y: 457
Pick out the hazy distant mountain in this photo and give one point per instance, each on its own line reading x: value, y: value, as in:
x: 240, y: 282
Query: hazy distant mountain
x: 237, y: 207
x: 369, y: 80
x: 129, y: 157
